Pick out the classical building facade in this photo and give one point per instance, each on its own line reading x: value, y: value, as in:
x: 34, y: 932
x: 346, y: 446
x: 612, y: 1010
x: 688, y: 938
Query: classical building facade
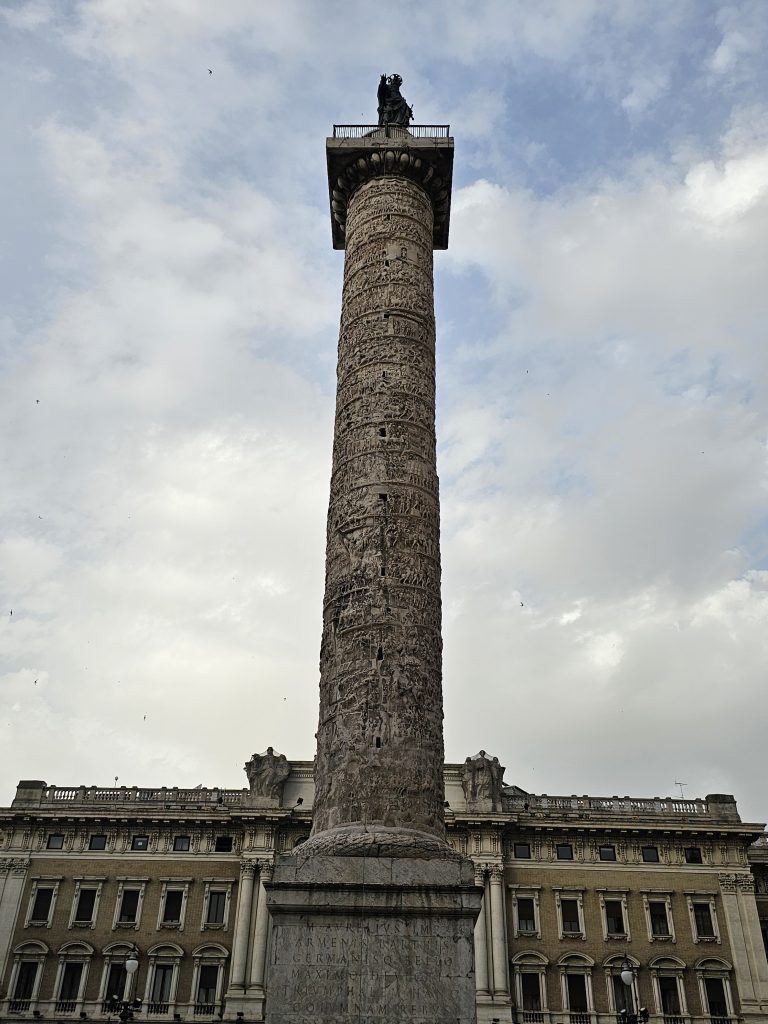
x: 572, y: 887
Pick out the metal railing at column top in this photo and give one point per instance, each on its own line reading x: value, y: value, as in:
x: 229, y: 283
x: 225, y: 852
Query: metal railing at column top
x: 416, y: 131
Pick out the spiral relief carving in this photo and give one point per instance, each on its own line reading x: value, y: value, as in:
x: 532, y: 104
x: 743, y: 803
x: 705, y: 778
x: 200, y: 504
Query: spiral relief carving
x: 379, y: 741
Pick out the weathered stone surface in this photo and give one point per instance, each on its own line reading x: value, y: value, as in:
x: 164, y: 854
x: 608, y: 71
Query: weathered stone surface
x: 386, y: 941
x: 266, y: 773
x: 379, y: 743
x: 482, y: 779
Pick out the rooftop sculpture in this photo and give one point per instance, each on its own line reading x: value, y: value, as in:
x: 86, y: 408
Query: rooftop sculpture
x: 392, y: 106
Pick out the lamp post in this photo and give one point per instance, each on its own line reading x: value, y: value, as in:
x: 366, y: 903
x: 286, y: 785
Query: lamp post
x: 124, y: 1008
x: 626, y: 1016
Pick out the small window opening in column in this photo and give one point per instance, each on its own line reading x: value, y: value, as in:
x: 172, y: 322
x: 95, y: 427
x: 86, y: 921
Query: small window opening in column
x: 380, y: 654
x: 382, y: 431
x: 387, y: 216
x: 382, y: 497
x: 378, y: 741
x: 385, y: 316
x: 382, y: 571
x: 386, y: 263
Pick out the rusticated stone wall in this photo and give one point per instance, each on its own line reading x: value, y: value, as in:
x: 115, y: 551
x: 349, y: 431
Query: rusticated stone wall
x: 380, y: 746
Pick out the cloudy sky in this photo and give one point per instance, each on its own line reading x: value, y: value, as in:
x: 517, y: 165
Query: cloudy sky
x: 168, y: 327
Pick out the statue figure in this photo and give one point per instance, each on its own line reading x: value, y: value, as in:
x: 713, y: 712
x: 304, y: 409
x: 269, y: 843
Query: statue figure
x: 482, y: 779
x: 267, y: 774
x: 392, y: 106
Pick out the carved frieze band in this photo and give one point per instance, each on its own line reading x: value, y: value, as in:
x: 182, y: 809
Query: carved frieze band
x: 379, y: 755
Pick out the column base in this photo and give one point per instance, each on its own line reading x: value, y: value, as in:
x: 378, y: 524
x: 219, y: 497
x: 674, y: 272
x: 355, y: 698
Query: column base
x: 494, y: 1008
x: 249, y: 1002
x: 388, y: 938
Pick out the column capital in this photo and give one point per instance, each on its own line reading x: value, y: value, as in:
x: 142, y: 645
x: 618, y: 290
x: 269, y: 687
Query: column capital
x: 496, y: 872
x: 266, y: 869
x: 248, y: 867
x: 479, y: 874
x: 427, y: 161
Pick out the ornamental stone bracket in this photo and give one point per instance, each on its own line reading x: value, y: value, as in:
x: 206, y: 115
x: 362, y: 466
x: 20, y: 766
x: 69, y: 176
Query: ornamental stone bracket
x: 426, y: 161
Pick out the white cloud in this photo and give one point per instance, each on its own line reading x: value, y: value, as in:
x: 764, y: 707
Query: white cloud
x: 166, y: 401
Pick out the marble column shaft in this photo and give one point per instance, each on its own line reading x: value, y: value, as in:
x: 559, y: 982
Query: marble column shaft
x: 261, y: 929
x: 481, y: 941
x: 498, y: 939
x: 379, y: 740
x: 242, y: 924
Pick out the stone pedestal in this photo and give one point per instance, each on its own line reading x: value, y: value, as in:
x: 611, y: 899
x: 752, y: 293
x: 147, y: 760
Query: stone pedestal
x: 372, y: 940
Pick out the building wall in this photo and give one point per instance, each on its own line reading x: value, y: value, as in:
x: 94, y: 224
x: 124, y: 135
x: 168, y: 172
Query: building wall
x: 730, y: 871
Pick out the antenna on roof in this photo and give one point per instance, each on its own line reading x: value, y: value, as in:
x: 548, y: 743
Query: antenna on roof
x: 681, y: 784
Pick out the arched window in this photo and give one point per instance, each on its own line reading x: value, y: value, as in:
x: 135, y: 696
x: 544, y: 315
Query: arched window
x: 713, y: 976
x: 71, y: 976
x: 529, y: 971
x: 668, y: 988
x: 576, y: 987
x: 209, y: 962
x: 28, y: 961
x: 162, y: 977
x: 621, y: 996
x: 114, y: 977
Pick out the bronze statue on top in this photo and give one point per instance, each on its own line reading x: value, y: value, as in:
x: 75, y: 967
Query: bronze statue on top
x: 392, y: 106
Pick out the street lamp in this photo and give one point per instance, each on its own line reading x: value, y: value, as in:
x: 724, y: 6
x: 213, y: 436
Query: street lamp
x: 124, y: 1008
x: 626, y: 1016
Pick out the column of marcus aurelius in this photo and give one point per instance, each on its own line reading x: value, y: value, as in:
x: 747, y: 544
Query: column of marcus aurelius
x: 373, y: 916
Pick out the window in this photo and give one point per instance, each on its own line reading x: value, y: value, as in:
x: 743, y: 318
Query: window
x: 526, y: 915
x: 223, y: 844
x: 702, y: 916
x: 715, y: 993
x: 55, y: 841
x: 530, y: 990
x: 129, y: 906
x: 657, y: 911
x: 651, y: 854
x: 569, y: 912
x: 116, y: 979
x: 607, y: 853
x: 181, y: 844
x: 564, y: 851
x: 576, y: 987
x: 614, y: 918
x: 25, y: 980
x: 570, y: 906
x: 161, y: 987
x: 41, y: 905
x: 216, y: 906
x: 172, y: 906
x: 97, y: 843
x: 692, y: 855
x: 140, y: 843
x: 523, y: 851
x: 525, y: 910
x: 670, y: 995
x: 86, y: 903
x: 69, y: 987
x: 622, y: 995
x: 207, y: 984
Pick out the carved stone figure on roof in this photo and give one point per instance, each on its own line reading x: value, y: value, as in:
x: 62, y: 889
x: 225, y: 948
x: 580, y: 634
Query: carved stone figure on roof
x: 392, y: 106
x: 266, y: 776
x: 482, y: 778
